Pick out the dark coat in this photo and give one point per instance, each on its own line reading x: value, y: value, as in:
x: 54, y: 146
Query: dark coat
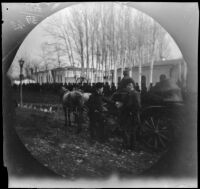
x: 129, y: 116
x: 97, y: 103
x: 125, y: 80
x: 131, y: 101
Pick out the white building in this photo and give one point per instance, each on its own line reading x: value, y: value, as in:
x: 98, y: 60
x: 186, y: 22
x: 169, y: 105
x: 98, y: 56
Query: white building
x: 66, y: 74
x: 174, y: 69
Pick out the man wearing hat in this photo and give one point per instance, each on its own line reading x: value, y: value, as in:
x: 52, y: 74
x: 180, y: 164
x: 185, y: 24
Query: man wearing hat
x: 123, y: 82
x: 97, y: 111
x: 129, y: 105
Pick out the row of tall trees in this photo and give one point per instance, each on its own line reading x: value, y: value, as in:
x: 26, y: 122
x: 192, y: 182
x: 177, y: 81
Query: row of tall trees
x: 103, y: 36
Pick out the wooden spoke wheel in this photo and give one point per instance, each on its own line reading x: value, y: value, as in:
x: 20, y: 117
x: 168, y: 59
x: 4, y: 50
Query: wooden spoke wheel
x: 156, y: 133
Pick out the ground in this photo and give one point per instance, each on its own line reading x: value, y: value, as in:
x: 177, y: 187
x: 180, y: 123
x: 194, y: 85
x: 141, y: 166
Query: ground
x: 75, y: 155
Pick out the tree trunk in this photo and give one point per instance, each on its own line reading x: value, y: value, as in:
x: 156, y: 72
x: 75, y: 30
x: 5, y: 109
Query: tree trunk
x: 115, y: 74
x: 151, y: 71
x: 87, y: 46
x: 140, y: 68
x: 82, y: 57
x: 152, y: 61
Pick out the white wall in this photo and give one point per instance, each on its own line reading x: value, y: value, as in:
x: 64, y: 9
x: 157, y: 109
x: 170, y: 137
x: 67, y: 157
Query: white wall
x: 157, y: 71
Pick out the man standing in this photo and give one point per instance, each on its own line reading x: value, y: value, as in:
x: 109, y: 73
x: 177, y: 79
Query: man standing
x: 97, y: 111
x: 124, y: 80
x: 129, y: 106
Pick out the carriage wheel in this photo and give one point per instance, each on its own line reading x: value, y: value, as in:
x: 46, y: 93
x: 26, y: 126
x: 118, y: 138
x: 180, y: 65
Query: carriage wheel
x: 156, y: 133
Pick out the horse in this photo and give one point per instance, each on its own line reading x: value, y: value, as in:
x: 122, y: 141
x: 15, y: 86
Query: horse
x: 74, y: 102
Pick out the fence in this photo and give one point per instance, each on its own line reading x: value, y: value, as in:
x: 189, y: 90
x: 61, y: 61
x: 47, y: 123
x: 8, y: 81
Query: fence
x: 50, y: 108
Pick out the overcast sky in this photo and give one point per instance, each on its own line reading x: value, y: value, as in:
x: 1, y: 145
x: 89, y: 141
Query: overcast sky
x: 32, y: 45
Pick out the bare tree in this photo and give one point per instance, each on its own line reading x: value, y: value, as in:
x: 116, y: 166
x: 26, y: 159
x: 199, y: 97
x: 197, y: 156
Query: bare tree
x: 158, y: 45
x: 60, y: 41
x: 86, y: 27
x: 78, y: 35
x: 105, y: 37
x: 140, y: 36
x: 44, y: 55
x: 27, y: 64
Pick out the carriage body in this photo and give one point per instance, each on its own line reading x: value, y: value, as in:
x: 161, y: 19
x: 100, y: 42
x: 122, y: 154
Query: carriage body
x: 161, y: 117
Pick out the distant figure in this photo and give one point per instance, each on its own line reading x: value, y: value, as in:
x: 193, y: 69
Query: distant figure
x: 106, y: 89
x: 113, y: 88
x: 150, y: 86
x: 123, y: 82
x: 144, y: 89
x: 162, y: 77
x: 137, y: 87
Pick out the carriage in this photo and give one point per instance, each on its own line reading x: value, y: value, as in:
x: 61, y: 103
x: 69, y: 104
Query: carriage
x: 160, y: 118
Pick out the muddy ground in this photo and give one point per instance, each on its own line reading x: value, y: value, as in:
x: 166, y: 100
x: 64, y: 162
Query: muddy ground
x: 74, y: 155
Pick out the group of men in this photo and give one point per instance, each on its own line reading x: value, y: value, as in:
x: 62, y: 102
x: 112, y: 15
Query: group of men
x: 53, y: 88
x: 127, y: 102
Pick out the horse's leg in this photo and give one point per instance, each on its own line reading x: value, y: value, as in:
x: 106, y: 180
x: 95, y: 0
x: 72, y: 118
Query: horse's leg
x: 68, y: 115
x: 65, y: 112
x: 79, y: 119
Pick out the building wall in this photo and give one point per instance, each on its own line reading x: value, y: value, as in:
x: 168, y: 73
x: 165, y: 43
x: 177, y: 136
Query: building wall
x: 67, y: 75
x: 176, y: 73
x: 170, y: 71
x: 63, y: 76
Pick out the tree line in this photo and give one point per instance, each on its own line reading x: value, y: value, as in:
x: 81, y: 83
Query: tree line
x: 103, y: 36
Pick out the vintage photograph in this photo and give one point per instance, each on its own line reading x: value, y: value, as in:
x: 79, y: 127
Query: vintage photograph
x: 92, y: 89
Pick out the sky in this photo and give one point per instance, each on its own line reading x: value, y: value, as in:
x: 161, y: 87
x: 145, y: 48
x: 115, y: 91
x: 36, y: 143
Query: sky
x: 32, y: 45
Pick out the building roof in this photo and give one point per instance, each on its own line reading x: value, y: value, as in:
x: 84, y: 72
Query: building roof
x: 72, y: 68
x: 156, y: 63
x: 65, y: 68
